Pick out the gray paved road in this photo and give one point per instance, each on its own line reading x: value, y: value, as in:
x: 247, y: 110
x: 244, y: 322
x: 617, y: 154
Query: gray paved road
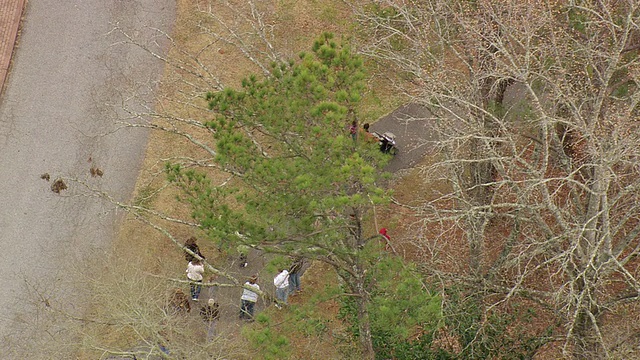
x: 68, y: 71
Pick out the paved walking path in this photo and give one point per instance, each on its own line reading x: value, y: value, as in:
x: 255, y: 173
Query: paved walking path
x: 415, y: 136
x: 10, y: 15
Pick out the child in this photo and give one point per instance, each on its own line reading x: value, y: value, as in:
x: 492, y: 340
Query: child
x: 210, y: 313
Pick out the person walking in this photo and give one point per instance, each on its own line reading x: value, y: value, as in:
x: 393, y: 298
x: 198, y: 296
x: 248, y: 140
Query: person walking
x: 192, y: 245
x: 281, y: 282
x: 294, y: 275
x: 249, y: 298
x: 210, y: 313
x: 195, y: 272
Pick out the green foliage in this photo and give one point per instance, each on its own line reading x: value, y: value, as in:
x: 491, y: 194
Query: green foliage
x: 348, y: 313
x: 400, y: 307
x: 144, y: 196
x: 402, y: 303
x: 385, y: 12
x: 329, y: 13
x: 269, y: 337
x: 621, y: 91
x: 496, y: 109
x: 266, y: 339
x: 277, y: 263
x: 578, y: 20
x: 297, y: 170
x: 622, y: 87
x: 306, y: 319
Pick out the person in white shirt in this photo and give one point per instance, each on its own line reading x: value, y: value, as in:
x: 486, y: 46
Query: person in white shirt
x: 281, y: 282
x: 195, y: 271
x: 249, y: 298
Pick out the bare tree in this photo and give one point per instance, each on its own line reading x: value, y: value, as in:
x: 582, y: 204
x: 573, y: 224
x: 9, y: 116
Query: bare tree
x: 536, y: 107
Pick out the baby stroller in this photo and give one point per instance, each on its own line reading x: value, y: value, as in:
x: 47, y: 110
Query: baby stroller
x: 387, y: 142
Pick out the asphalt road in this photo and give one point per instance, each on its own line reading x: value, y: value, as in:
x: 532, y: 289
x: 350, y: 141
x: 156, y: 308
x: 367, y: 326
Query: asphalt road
x: 70, y: 76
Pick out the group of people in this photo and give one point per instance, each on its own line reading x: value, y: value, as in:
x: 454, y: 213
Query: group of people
x: 362, y: 133
x: 286, y: 282
x: 385, y: 141
x: 179, y: 302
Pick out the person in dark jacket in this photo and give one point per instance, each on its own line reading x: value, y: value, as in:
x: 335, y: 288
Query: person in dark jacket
x: 193, y: 246
x: 295, y: 270
x: 210, y: 313
x: 179, y: 302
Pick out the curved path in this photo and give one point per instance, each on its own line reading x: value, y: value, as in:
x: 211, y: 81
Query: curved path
x: 415, y: 135
x: 69, y: 78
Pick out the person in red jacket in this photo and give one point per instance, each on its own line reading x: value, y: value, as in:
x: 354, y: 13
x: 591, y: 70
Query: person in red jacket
x: 383, y: 232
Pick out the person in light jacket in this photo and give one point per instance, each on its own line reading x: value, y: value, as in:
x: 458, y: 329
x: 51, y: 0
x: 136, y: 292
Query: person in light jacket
x: 281, y: 282
x: 195, y: 271
x: 249, y: 298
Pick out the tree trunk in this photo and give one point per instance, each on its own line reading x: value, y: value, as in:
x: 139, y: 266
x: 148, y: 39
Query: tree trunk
x: 592, y: 252
x: 586, y: 342
x: 358, y: 286
x: 364, y: 324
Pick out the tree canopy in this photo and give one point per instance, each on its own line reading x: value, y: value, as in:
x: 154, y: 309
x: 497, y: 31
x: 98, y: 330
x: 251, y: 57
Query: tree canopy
x: 296, y: 169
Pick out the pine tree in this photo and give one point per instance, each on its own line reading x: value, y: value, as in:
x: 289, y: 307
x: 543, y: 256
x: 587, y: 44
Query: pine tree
x: 300, y: 183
